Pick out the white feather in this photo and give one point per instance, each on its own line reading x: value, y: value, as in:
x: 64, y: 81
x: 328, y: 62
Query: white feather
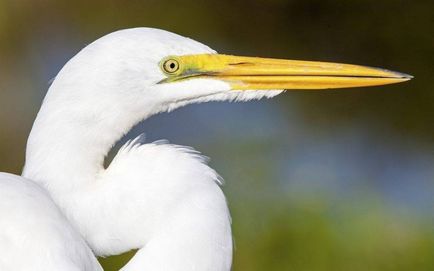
x: 34, y: 234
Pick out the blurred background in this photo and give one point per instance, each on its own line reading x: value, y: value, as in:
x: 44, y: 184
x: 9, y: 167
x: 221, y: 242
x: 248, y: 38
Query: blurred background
x: 316, y: 180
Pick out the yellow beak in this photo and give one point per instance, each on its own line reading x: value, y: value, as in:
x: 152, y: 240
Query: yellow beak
x: 245, y: 73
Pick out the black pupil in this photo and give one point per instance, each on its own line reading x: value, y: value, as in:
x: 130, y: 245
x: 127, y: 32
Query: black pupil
x: 172, y: 65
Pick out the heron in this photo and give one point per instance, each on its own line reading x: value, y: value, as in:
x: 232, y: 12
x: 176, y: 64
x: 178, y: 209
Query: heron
x: 159, y: 198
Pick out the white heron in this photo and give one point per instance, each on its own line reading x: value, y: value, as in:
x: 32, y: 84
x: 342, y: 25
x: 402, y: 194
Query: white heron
x: 159, y: 198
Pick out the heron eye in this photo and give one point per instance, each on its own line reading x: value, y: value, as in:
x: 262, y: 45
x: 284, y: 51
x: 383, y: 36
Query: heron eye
x: 171, y: 66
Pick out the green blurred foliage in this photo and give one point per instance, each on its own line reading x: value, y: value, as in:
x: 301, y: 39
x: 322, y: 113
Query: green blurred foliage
x: 316, y: 236
x: 273, y: 229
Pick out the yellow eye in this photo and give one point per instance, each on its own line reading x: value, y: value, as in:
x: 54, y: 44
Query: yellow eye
x: 171, y: 66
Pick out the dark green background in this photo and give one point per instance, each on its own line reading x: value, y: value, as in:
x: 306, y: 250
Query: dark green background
x: 316, y: 180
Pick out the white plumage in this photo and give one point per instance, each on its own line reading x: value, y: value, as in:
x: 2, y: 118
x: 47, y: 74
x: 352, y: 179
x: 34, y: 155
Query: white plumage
x: 159, y: 198
x: 35, y: 235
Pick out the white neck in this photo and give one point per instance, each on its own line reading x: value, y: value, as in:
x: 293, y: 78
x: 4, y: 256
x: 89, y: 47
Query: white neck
x: 68, y: 142
x: 65, y: 154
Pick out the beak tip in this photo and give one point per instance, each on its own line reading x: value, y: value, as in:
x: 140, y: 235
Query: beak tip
x: 395, y: 74
x: 404, y: 76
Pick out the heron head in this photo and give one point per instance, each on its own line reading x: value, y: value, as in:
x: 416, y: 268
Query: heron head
x: 158, y: 70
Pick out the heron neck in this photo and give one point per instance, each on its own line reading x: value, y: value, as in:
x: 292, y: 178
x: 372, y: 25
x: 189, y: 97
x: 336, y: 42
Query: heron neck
x: 68, y: 142
x: 65, y: 154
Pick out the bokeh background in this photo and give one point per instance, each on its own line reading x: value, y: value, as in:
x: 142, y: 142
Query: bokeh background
x: 316, y: 180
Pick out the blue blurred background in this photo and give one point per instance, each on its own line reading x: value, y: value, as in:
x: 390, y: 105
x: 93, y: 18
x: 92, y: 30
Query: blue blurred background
x: 316, y: 180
